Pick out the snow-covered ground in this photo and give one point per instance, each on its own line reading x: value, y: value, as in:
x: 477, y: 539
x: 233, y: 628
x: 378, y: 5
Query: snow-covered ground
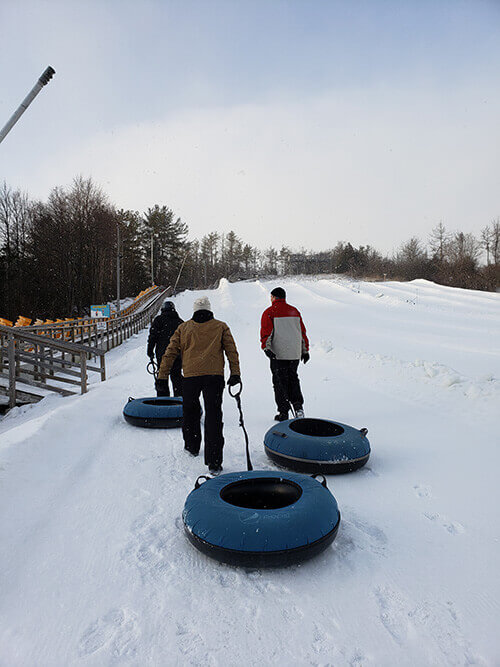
x: 95, y: 568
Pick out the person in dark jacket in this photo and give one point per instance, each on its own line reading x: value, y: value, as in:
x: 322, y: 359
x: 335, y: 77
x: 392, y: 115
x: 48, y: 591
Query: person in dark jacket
x: 161, y: 332
x: 203, y: 341
x: 284, y: 340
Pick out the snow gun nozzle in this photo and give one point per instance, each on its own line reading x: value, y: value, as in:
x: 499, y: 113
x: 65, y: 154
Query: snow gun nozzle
x: 46, y: 76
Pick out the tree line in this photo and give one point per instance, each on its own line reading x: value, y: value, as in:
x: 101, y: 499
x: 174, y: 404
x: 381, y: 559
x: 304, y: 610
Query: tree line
x: 59, y: 256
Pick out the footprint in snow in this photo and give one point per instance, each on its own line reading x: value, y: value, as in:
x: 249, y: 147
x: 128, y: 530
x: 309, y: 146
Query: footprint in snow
x: 358, y: 534
x: 116, y: 629
x: 293, y: 613
x: 321, y: 640
x: 439, y: 623
x: 422, y: 491
x: 370, y: 529
x: 392, y: 613
x: 453, y: 527
x: 227, y: 579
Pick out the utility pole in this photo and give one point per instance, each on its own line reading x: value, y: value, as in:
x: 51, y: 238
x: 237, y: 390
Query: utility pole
x: 42, y: 81
x: 118, y: 257
x: 152, y: 267
x: 180, y: 271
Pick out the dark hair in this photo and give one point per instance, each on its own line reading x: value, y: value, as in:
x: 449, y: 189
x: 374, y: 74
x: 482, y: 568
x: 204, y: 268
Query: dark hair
x: 279, y: 293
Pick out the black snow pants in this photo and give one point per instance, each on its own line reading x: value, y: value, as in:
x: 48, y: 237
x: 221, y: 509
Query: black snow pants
x: 212, y: 387
x: 175, y: 377
x: 286, y: 384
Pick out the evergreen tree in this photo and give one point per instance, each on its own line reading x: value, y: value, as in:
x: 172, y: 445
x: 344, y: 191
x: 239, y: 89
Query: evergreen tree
x: 168, y: 237
x: 438, y: 242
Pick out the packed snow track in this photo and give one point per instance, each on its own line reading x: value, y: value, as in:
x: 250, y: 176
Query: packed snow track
x: 95, y: 568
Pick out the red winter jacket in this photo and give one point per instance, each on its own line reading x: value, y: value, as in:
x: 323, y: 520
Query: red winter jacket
x: 282, y: 331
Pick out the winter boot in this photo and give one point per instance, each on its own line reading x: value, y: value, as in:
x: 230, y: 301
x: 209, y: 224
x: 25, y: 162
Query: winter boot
x: 281, y: 416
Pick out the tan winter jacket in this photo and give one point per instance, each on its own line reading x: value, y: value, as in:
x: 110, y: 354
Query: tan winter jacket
x: 201, y: 345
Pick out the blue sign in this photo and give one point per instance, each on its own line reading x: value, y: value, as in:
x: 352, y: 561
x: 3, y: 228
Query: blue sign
x: 100, y: 311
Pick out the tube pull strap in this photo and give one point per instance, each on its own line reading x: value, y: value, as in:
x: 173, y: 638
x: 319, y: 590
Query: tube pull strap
x: 236, y: 396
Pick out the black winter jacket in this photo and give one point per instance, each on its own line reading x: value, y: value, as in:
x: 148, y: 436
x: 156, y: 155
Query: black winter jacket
x: 161, y: 331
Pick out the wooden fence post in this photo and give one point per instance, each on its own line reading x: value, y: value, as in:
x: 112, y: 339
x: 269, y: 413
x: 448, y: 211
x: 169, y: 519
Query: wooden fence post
x: 83, y: 372
x: 41, y: 349
x: 12, y: 373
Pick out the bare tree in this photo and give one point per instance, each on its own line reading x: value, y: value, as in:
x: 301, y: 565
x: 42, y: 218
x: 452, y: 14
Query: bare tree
x: 16, y: 219
x: 495, y: 241
x: 464, y: 247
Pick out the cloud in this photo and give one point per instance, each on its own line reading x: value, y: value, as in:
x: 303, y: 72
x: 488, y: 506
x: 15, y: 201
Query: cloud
x: 370, y: 166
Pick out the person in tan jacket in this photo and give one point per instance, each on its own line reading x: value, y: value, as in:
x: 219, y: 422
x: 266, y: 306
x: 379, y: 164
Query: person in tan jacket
x: 202, y: 342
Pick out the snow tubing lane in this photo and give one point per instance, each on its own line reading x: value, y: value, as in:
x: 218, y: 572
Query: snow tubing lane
x: 317, y: 445
x: 261, y: 519
x: 154, y: 412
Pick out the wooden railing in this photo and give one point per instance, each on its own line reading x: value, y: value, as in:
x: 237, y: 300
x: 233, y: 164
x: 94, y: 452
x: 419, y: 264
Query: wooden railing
x: 46, y: 357
x: 45, y: 363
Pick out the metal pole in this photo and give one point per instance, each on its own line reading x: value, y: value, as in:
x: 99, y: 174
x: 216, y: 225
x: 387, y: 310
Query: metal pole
x: 42, y: 81
x: 118, y: 269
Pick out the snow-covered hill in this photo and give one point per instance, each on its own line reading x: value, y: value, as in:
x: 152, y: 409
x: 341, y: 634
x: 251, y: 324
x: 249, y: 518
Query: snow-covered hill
x: 95, y: 568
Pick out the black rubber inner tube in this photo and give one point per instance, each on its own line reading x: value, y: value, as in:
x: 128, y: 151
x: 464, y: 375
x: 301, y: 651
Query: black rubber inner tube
x: 264, y: 493
x: 162, y: 402
x: 317, y: 427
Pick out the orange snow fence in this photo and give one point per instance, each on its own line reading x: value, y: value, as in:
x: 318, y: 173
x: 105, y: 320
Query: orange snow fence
x: 63, y: 332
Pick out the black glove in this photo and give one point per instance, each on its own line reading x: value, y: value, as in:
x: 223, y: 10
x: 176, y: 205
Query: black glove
x: 305, y: 357
x: 270, y: 354
x: 162, y: 387
x: 233, y: 379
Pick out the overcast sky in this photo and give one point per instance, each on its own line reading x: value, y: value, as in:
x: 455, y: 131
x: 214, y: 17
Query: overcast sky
x: 296, y: 122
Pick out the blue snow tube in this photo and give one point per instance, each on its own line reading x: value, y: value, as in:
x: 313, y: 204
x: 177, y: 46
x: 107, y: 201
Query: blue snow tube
x: 154, y: 412
x: 317, y: 445
x: 261, y: 519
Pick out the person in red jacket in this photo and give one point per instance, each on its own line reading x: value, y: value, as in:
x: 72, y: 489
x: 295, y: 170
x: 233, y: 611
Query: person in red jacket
x: 283, y: 339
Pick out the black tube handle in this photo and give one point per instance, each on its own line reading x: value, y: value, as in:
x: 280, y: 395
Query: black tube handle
x: 130, y: 398
x: 318, y: 474
x: 280, y: 434
x: 152, y: 368
x: 197, y: 483
x: 363, y: 431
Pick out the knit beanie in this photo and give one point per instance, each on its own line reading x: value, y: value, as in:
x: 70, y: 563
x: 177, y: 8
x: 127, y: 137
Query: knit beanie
x: 201, y: 304
x: 167, y: 306
x: 279, y: 293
